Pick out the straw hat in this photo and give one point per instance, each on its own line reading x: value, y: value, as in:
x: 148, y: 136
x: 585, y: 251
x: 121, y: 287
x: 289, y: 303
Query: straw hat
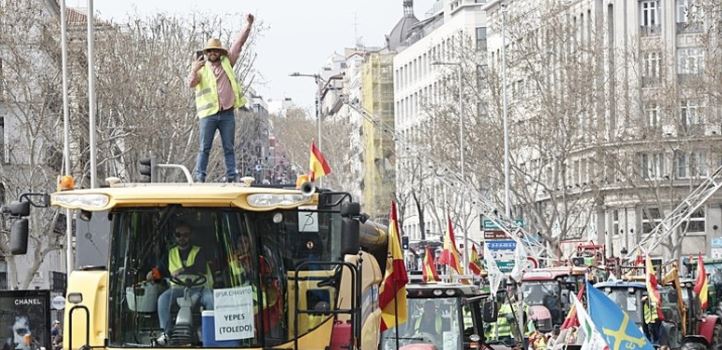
x: 215, y: 44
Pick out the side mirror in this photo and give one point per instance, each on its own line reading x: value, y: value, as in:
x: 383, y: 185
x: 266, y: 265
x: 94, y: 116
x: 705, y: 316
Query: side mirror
x: 490, y: 311
x: 350, y: 240
x: 19, y: 237
x: 19, y: 208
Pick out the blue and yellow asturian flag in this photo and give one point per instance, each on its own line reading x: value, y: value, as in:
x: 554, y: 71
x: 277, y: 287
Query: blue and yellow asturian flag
x: 618, y: 330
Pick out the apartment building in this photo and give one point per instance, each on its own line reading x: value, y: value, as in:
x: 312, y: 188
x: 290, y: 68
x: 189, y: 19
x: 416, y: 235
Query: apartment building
x: 643, y: 110
x: 418, y: 83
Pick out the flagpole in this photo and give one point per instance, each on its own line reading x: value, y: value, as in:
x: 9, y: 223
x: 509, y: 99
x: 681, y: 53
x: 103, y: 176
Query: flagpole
x: 396, y: 317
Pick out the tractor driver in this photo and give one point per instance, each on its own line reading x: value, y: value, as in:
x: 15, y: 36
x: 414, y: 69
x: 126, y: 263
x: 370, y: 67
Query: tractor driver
x: 185, y: 262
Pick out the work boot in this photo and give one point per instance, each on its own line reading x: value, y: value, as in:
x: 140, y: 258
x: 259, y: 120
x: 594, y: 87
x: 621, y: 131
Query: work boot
x: 162, y: 339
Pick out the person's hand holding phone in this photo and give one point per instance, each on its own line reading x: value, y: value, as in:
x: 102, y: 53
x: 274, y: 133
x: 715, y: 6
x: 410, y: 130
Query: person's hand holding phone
x: 199, y: 61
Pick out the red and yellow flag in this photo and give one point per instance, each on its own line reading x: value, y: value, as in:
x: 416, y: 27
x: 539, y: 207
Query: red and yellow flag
x: 701, y: 287
x: 653, y: 288
x: 392, y: 295
x: 572, y: 320
x: 450, y: 254
x: 429, y: 269
x: 474, y: 263
x: 318, y: 166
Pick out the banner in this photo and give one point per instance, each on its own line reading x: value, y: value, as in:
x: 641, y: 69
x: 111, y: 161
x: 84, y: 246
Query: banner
x: 23, y: 312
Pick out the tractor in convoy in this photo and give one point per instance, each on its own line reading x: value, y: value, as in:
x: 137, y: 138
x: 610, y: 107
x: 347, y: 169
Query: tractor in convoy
x: 546, y: 292
x: 684, y: 326
x: 284, y: 267
x: 448, y: 316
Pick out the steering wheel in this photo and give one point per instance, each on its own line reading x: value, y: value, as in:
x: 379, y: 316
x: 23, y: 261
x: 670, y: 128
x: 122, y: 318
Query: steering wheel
x: 192, y: 279
x: 426, y: 337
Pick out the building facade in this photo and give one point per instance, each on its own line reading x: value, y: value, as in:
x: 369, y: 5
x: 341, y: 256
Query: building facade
x: 418, y: 84
x: 377, y: 98
x: 645, y: 119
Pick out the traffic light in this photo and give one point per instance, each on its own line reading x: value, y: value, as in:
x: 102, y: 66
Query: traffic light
x: 147, y: 169
x: 19, y: 231
x: 405, y: 242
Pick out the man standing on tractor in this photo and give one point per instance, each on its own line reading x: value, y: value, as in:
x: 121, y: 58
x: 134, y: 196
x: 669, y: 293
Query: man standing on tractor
x: 218, y: 95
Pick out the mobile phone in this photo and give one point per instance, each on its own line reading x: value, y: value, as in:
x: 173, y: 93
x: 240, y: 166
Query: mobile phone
x: 199, y: 54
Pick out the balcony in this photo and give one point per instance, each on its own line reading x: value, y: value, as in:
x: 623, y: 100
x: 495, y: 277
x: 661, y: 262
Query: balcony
x: 689, y: 27
x: 650, y: 30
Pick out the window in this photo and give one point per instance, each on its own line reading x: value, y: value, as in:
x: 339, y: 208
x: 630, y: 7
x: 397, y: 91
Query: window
x: 650, y: 12
x: 481, y: 39
x: 698, y: 163
x: 680, y: 165
x: 651, y: 64
x: 651, y: 114
x: 695, y: 222
x: 3, y: 156
x: 690, y: 60
x: 615, y: 222
x: 689, y: 12
x: 651, y: 217
x: 682, y: 11
x: 652, y: 165
x: 576, y: 172
x: 690, y: 113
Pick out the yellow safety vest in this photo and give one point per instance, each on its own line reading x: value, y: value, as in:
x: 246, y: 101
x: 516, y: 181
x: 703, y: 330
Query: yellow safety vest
x: 175, y: 263
x: 240, y: 280
x: 207, y: 91
x: 650, y: 313
x: 502, y: 328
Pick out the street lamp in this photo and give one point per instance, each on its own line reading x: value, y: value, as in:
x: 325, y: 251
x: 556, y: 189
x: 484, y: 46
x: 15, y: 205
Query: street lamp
x: 317, y: 79
x: 507, y: 184
x: 461, y: 139
x: 321, y: 84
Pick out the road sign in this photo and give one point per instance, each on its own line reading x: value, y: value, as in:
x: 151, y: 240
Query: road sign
x: 495, y: 235
x: 503, y: 253
x: 488, y: 224
x: 58, y: 303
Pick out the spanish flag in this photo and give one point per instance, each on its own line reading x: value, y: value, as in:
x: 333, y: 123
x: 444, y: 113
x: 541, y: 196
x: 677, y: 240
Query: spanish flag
x: 429, y: 269
x: 392, y: 295
x: 701, y: 287
x: 318, y: 166
x: 572, y: 320
x: 450, y: 254
x: 653, y: 288
x: 474, y: 263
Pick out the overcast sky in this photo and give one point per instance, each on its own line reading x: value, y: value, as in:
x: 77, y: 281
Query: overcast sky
x: 302, y: 33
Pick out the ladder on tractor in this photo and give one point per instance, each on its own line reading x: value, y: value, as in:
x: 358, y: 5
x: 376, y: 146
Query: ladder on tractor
x: 679, y: 215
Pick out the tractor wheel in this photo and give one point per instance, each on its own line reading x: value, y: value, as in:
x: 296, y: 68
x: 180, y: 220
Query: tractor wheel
x: 717, y: 335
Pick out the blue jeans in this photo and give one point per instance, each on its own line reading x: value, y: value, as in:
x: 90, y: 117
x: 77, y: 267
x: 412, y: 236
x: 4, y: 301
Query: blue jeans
x: 225, y: 122
x: 168, y: 298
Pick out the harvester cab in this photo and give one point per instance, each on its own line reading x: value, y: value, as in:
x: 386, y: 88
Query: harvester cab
x: 264, y: 267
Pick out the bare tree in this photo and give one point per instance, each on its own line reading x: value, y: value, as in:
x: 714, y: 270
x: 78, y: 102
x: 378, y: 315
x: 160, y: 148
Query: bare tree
x: 144, y: 105
x: 30, y: 110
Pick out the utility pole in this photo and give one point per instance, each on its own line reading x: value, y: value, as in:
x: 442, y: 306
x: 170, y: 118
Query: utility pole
x: 66, y: 136
x: 91, y: 97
